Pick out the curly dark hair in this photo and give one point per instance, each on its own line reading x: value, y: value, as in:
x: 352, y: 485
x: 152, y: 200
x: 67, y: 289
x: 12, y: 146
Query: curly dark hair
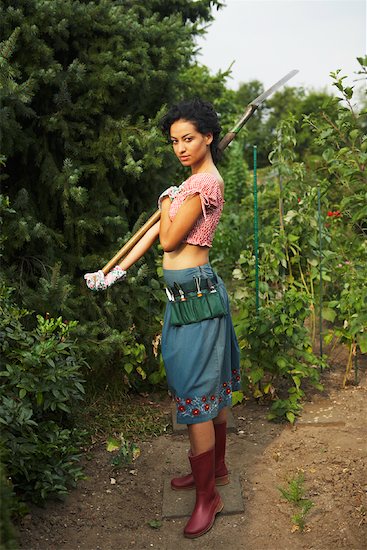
x: 202, y: 114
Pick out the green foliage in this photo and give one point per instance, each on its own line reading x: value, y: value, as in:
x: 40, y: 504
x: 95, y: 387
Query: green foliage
x: 342, y: 175
x: 155, y: 524
x: 262, y: 128
x: 349, y: 312
x: 84, y: 162
x: 228, y: 242
x: 276, y: 352
x: 295, y: 494
x: 41, y: 381
x: 110, y: 412
x: 124, y: 452
x: 83, y: 85
x: 294, y: 268
x: 14, y: 95
x: 7, y: 510
x: 276, y: 347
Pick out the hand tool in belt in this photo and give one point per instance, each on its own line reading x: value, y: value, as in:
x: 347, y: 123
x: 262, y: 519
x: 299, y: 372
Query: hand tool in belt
x: 180, y: 290
x: 249, y: 111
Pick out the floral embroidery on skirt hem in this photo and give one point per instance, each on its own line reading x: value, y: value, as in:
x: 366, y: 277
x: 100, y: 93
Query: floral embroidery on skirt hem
x: 193, y: 410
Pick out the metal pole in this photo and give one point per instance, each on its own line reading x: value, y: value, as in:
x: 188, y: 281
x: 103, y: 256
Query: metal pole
x: 256, y: 232
x: 320, y: 266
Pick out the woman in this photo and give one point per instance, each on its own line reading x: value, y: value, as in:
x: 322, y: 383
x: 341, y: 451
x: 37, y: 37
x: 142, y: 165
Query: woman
x: 201, y: 358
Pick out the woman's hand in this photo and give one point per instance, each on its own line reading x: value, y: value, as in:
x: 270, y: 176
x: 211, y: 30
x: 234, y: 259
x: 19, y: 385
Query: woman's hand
x: 170, y: 193
x: 99, y: 281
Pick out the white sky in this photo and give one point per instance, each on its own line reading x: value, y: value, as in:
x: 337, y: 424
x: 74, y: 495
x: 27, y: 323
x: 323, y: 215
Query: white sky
x: 268, y: 38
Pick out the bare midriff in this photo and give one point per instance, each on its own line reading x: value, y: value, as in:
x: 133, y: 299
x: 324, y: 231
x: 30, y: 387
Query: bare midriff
x: 187, y: 255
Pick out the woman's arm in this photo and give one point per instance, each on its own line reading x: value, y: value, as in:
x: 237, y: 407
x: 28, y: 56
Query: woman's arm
x: 172, y: 233
x: 99, y: 281
x: 141, y: 247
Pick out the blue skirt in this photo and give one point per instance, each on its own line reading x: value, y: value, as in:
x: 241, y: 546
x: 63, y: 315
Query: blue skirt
x: 202, y: 360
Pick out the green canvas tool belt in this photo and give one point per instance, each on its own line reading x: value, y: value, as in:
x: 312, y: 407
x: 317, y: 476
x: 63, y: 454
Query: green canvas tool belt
x: 192, y: 303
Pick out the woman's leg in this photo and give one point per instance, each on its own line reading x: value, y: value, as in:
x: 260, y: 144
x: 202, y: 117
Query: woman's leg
x: 202, y: 437
x: 222, y: 416
x: 220, y: 434
x: 205, y: 436
x: 202, y: 458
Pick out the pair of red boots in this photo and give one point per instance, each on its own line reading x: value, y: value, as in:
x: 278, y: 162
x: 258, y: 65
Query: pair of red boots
x: 208, y: 470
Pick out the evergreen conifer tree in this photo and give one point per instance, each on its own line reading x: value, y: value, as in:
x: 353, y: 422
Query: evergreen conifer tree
x: 85, y: 160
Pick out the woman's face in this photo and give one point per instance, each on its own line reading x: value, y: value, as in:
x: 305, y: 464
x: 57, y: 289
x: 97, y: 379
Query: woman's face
x: 190, y: 146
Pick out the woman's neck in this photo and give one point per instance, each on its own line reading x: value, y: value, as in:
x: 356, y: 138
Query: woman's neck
x: 207, y: 165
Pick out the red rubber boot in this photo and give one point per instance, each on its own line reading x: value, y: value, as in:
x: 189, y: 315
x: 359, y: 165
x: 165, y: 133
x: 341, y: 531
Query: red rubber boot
x: 208, y: 502
x: 221, y: 473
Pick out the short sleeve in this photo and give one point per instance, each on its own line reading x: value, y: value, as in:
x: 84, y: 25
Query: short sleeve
x: 207, y: 187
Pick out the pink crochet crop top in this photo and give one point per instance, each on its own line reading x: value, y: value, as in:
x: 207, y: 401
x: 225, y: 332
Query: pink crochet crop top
x: 207, y: 186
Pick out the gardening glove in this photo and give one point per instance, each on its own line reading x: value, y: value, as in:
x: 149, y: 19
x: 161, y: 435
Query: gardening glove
x: 100, y: 281
x: 171, y: 192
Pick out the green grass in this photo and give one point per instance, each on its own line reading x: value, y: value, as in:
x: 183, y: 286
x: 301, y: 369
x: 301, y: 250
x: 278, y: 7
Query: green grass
x: 104, y: 415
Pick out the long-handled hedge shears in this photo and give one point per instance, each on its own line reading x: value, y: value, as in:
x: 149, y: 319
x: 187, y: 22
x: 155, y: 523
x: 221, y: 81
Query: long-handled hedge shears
x: 249, y: 111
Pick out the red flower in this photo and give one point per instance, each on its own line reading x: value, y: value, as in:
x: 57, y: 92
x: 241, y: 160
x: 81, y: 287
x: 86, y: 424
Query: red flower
x: 234, y: 371
x: 212, y: 397
x: 203, y: 398
x: 228, y: 391
x: 178, y: 399
x: 188, y: 401
x: 238, y: 378
x: 195, y: 412
x: 220, y: 400
x: 335, y: 214
x: 181, y: 408
x: 299, y: 200
x: 224, y: 384
x: 207, y: 407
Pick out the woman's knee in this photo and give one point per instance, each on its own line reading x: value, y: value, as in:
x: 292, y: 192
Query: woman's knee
x: 222, y: 416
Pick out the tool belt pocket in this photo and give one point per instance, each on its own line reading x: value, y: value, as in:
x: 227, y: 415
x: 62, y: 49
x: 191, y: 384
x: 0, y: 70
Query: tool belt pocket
x: 193, y: 307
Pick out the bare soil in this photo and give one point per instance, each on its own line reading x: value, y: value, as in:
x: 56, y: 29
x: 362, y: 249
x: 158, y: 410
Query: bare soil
x: 328, y: 444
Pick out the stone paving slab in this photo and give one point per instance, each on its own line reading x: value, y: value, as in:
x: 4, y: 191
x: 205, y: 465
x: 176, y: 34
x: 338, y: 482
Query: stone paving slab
x: 182, y: 428
x: 177, y: 504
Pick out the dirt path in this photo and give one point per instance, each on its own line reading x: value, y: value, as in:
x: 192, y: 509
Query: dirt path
x: 328, y: 445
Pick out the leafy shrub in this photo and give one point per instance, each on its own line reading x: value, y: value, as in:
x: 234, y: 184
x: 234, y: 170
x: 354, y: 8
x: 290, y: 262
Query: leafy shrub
x: 229, y: 241
x: 342, y: 175
x: 8, y: 506
x: 348, y: 311
x: 312, y: 254
x: 83, y: 158
x: 41, y: 381
x: 276, y: 352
